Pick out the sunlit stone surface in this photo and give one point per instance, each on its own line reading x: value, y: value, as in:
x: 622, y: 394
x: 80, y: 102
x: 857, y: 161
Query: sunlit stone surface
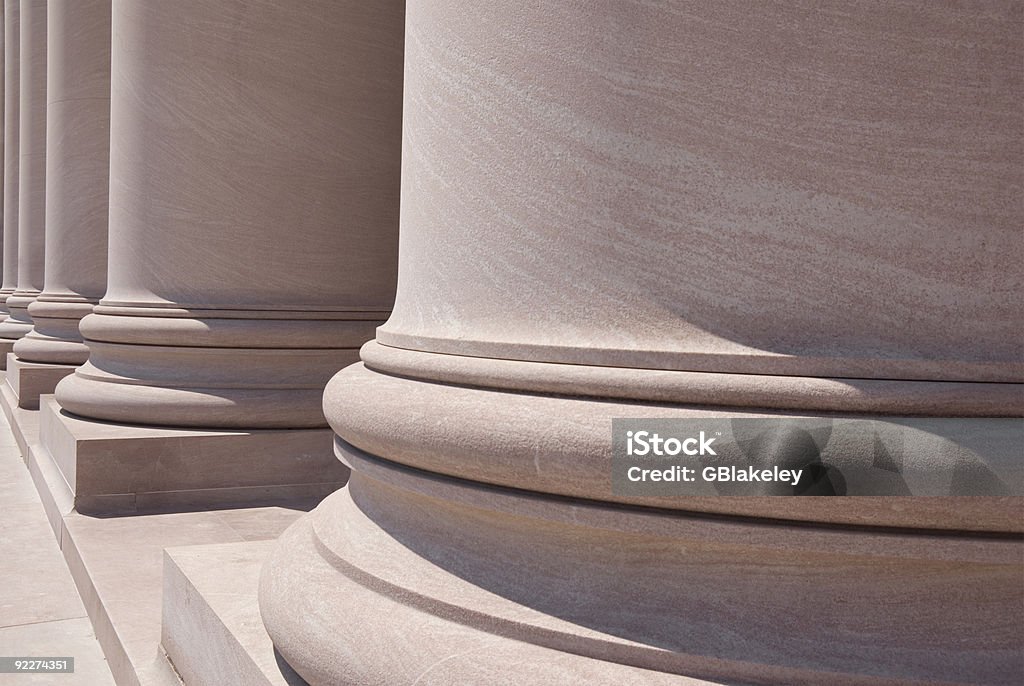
x: 661, y: 210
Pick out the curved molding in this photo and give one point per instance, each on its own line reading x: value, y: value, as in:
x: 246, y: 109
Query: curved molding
x: 202, y: 386
x: 607, y: 589
x: 888, y: 396
x: 561, y: 445
x: 212, y: 331
x: 55, y: 337
x: 18, y: 321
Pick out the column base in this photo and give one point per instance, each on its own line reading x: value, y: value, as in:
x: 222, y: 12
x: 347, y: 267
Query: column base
x: 6, y: 347
x: 29, y: 380
x: 119, y: 468
x: 452, y: 581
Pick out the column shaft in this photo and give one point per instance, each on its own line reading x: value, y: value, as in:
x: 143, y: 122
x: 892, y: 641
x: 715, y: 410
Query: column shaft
x: 77, y: 173
x: 32, y: 169
x: 12, y: 78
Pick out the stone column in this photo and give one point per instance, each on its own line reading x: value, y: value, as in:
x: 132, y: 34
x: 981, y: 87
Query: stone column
x: 12, y: 78
x: 255, y: 151
x: 77, y: 172
x: 639, y: 210
x: 32, y: 169
x: 3, y: 296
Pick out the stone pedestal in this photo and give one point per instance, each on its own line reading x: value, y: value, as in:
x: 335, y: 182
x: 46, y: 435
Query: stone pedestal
x: 123, y: 469
x: 77, y: 170
x: 12, y: 79
x: 227, y: 307
x: 736, y: 211
x: 32, y: 169
x: 29, y: 380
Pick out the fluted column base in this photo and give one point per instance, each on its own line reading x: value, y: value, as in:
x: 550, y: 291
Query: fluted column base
x: 18, y: 321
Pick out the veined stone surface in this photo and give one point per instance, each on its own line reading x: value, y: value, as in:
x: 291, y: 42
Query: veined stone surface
x: 77, y: 171
x: 253, y: 210
x: 661, y: 210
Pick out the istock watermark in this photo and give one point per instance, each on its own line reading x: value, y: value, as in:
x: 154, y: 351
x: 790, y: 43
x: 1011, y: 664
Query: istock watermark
x: 817, y: 456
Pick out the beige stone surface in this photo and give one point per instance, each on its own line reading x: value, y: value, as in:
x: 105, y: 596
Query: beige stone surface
x: 212, y: 631
x: 665, y: 211
x: 41, y: 613
x: 112, y: 468
x: 77, y: 171
x: 766, y: 196
x: 254, y: 249
x: 32, y: 168
x: 6, y: 347
x: 29, y: 380
x: 120, y: 563
x: 12, y: 80
x: 116, y: 561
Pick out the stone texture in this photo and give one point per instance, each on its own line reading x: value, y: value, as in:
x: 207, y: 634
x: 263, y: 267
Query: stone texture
x: 77, y: 171
x: 6, y: 347
x: 12, y: 80
x: 116, y: 562
x: 41, y: 613
x: 32, y: 168
x: 648, y: 210
x: 254, y: 248
x: 123, y: 469
x: 29, y: 380
x: 212, y: 630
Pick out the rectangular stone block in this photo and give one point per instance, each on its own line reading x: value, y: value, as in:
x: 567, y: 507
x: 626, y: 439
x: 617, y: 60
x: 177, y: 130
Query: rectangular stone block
x: 212, y: 631
x: 115, y: 468
x: 6, y: 346
x: 29, y: 380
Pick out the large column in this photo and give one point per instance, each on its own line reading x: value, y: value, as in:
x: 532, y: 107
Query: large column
x: 12, y: 79
x: 716, y: 213
x: 32, y: 169
x: 255, y: 151
x: 77, y: 172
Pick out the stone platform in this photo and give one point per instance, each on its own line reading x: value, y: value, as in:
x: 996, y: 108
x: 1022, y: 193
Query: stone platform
x: 117, y: 565
x: 29, y: 380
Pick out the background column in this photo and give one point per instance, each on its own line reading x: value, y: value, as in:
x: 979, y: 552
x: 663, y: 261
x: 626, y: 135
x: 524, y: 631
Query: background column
x: 12, y: 78
x: 77, y: 189
x: 254, y: 166
x: 32, y: 169
x: 661, y: 211
x: 3, y: 297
